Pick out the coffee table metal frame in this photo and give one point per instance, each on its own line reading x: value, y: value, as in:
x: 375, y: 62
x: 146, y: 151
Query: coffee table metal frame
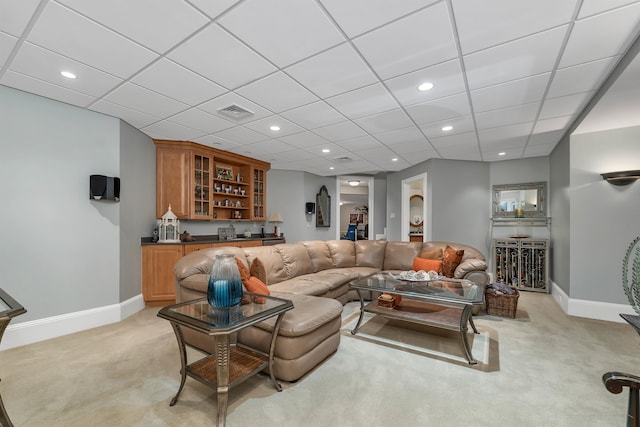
x: 443, y: 303
x: 231, y: 362
x: 9, y: 308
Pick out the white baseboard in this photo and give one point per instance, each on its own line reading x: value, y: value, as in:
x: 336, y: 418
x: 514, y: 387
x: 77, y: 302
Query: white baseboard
x: 56, y: 326
x: 589, y: 309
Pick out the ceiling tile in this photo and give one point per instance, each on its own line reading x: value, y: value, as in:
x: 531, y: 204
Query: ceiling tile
x: 277, y: 92
x: 7, y: 43
x: 177, y: 82
x: 241, y: 135
x: 200, y: 120
x: 461, y: 124
x: 515, y: 92
x: 213, y: 8
x: 510, y: 61
x: 314, y: 115
x: 545, y: 138
x: 170, y: 130
x: 133, y: 117
x: 440, y: 109
x: 340, y: 131
x: 446, y: 79
x: 556, y: 123
x: 156, y: 24
x: 518, y: 133
x: 360, y: 143
x: 414, y: 146
x: 46, y: 66
x: 48, y: 90
x: 364, y: 101
x: 400, y: 136
x: 414, y: 42
x: 357, y: 16
x: 267, y: 147
x: 382, y: 122
x: 592, y: 7
x: 492, y: 22
x: 584, y: 47
x: 16, y: 15
x: 304, y: 140
x: 461, y: 141
x: 218, y: 56
x: 564, y: 105
x: 58, y: 29
x: 219, y: 143
x: 267, y: 26
x: 508, y: 116
x: 332, y: 72
x: 580, y: 78
x: 286, y: 127
x: 228, y: 99
x: 294, y: 155
x: 141, y: 99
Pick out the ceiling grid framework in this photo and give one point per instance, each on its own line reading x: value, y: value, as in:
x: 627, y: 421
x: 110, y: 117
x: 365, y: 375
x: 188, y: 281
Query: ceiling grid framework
x: 509, y: 76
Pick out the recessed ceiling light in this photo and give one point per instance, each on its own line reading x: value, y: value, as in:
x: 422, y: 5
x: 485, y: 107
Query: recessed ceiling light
x: 447, y: 128
x: 354, y: 182
x: 395, y: 159
x: 331, y: 168
x: 425, y: 86
x: 502, y: 153
x: 68, y: 74
x: 326, y: 150
x: 274, y: 128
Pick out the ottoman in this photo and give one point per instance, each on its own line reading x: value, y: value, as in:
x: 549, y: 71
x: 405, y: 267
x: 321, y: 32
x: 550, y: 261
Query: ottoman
x: 308, y: 335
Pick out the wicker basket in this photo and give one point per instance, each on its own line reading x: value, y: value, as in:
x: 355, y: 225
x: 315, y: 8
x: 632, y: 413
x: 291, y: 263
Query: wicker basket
x: 501, y: 304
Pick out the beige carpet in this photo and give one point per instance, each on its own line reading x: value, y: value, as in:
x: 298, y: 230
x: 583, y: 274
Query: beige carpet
x: 541, y: 369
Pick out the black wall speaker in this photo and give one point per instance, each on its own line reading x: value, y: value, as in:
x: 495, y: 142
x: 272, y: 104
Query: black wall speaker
x: 310, y: 208
x: 104, y: 188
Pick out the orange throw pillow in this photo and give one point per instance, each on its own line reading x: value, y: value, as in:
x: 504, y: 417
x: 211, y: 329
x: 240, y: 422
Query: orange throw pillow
x: 427, y: 265
x: 244, y: 271
x: 450, y: 260
x: 256, y: 286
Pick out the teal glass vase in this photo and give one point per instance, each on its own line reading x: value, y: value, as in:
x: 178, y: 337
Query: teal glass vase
x: 225, y: 285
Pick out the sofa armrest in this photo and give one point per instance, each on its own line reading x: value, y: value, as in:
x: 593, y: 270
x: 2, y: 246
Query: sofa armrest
x: 473, y: 269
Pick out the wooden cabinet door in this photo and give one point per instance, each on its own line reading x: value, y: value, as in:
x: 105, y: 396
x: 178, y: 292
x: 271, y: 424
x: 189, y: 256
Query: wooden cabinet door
x: 195, y: 247
x: 172, y: 181
x: 158, y: 281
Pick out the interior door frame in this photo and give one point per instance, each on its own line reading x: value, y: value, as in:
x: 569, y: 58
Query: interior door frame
x: 407, y: 192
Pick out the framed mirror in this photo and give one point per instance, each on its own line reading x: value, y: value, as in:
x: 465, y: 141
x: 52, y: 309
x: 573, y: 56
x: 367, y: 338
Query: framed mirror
x: 416, y: 206
x: 526, y: 200
x: 323, y: 208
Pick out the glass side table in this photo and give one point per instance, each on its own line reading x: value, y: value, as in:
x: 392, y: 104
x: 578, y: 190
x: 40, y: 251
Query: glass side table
x: 231, y: 363
x: 9, y: 308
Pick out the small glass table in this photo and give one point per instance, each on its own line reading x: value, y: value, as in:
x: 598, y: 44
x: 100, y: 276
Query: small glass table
x: 443, y: 303
x: 231, y: 363
x: 9, y: 308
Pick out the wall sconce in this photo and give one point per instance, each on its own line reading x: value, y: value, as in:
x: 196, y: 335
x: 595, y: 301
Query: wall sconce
x: 621, y: 178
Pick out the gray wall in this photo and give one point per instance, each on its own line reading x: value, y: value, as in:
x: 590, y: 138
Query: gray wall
x: 604, y: 218
x: 559, y: 199
x: 456, y: 196
x: 60, y: 251
x: 137, y: 204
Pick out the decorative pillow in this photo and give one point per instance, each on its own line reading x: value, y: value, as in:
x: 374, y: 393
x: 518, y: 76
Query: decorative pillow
x: 450, y: 260
x: 434, y: 254
x: 258, y: 270
x: 256, y: 286
x: 244, y: 272
x: 427, y: 265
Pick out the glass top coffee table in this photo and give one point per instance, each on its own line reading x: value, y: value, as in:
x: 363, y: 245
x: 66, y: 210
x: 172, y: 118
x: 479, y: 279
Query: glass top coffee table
x: 231, y: 363
x: 442, y: 303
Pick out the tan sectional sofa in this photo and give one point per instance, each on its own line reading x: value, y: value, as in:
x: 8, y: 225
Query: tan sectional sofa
x: 315, y: 275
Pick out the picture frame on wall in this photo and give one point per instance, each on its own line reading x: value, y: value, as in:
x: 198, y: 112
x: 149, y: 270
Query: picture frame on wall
x: 353, y: 218
x: 224, y: 172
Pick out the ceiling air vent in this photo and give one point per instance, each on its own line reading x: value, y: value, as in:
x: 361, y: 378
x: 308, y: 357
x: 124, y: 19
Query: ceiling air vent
x: 344, y: 159
x: 235, y: 112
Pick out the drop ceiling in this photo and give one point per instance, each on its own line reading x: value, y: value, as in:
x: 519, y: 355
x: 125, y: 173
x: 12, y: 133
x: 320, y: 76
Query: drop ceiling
x: 508, y: 76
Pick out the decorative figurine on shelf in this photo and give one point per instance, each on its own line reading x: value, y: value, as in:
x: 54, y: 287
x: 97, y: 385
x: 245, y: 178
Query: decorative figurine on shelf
x: 169, y: 228
x: 186, y: 237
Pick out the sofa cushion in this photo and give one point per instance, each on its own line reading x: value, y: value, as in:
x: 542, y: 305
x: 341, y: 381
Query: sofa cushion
x: 271, y: 257
x: 450, y: 260
x: 319, y: 254
x: 304, y: 285
x: 400, y: 255
x: 343, y: 253
x: 370, y: 253
x: 296, y: 259
x: 432, y: 254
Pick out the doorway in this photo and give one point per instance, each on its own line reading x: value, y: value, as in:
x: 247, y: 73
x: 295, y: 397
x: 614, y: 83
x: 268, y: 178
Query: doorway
x: 416, y: 223
x: 355, y: 197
